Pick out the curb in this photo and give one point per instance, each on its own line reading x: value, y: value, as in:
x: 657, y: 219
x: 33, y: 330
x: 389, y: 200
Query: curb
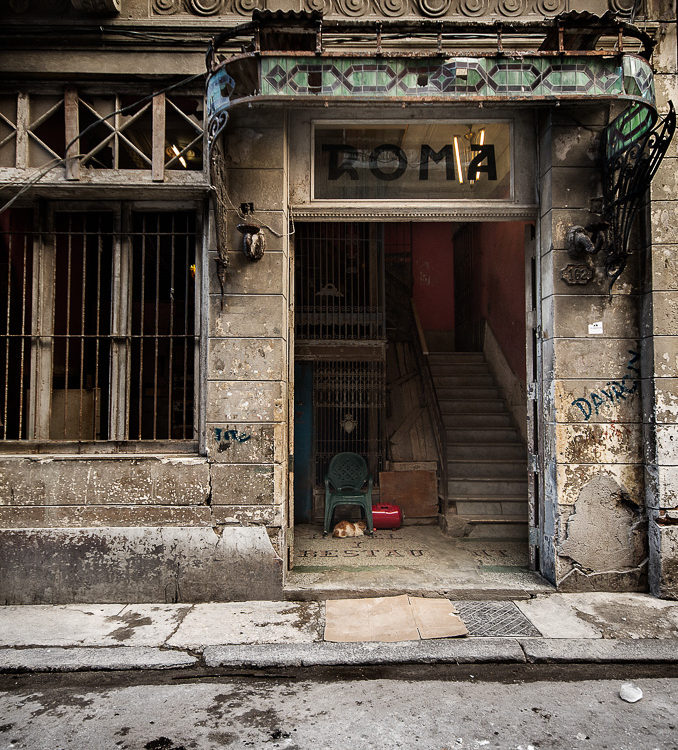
x: 598, y: 650
x: 472, y: 651
x: 275, y: 655
x: 96, y: 659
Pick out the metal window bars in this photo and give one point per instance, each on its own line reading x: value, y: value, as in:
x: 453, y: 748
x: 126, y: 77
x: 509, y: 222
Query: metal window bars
x: 98, y: 333
x: 338, y: 291
x: 348, y: 407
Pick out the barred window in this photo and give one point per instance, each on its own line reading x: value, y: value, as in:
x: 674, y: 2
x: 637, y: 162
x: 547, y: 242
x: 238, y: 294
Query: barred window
x: 97, y: 325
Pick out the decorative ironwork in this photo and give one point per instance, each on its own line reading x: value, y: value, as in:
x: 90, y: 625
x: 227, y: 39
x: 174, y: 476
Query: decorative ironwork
x: 356, y: 389
x: 629, y: 164
x: 220, y: 86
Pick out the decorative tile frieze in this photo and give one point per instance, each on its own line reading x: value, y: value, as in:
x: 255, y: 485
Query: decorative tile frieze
x: 487, y: 77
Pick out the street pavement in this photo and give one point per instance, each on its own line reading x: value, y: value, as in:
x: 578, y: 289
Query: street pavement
x: 292, y: 711
x: 545, y: 629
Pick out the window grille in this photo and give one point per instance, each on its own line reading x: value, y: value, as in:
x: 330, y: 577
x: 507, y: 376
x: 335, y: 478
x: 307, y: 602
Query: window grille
x: 16, y: 304
x: 339, y: 276
x: 98, y: 326
x: 348, y: 403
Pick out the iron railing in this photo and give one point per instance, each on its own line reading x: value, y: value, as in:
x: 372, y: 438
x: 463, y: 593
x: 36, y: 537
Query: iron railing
x: 97, y: 336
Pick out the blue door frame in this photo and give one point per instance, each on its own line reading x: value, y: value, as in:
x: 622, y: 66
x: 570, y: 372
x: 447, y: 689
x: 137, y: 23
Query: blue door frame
x: 303, y: 442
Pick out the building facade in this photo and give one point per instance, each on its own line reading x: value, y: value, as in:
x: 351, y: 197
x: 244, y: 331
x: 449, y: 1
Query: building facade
x: 207, y: 295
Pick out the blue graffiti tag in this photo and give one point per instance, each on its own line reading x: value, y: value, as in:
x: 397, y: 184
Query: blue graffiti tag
x: 225, y: 437
x: 613, y: 392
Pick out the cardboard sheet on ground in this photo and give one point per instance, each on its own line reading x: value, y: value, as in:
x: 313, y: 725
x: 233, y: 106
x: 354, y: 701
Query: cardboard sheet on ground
x: 391, y: 618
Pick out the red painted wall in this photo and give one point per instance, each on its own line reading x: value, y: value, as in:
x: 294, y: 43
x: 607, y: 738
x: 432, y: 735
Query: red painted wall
x: 501, y: 291
x: 433, y: 275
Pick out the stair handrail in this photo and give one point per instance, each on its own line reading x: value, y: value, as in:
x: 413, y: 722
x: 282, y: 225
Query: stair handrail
x: 422, y: 355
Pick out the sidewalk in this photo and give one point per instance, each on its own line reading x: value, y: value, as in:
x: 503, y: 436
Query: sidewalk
x: 550, y: 628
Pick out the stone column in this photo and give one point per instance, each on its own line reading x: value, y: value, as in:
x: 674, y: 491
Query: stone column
x: 660, y: 334
x: 594, y: 535
x: 247, y: 358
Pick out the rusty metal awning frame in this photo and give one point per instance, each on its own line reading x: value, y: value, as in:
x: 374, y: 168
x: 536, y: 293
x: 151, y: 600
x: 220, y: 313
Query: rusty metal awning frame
x: 300, y: 58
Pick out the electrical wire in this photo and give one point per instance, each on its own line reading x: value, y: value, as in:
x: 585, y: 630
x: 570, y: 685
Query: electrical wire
x: 62, y: 159
x: 250, y: 218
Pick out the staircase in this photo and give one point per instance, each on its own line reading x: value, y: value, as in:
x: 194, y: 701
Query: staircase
x: 486, y: 458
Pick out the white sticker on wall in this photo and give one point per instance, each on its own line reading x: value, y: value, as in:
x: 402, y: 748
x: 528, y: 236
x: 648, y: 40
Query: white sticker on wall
x: 595, y: 327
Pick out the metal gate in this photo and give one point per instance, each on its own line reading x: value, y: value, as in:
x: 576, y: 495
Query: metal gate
x: 348, y: 400
x: 340, y: 331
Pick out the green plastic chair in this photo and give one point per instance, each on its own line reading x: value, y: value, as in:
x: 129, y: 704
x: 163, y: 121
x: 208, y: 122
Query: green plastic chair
x: 345, y: 485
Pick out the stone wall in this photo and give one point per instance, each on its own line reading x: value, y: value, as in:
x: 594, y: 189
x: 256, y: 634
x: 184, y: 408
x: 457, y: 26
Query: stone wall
x: 247, y: 358
x: 660, y: 334
x: 594, y: 523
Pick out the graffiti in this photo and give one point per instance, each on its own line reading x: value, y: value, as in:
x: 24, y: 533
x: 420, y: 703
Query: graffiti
x: 613, y: 392
x: 224, y: 438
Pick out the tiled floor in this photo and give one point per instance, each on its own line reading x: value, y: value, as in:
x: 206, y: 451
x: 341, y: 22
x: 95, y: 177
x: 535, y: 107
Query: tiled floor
x: 410, y: 560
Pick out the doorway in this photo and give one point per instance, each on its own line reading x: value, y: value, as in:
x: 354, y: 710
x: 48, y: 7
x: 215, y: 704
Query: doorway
x: 378, y: 309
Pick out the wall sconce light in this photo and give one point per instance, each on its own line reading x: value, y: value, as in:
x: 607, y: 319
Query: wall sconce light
x: 253, y: 241
x: 348, y: 423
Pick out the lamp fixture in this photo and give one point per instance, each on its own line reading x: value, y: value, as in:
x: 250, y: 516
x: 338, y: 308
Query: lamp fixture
x: 173, y: 150
x: 348, y: 423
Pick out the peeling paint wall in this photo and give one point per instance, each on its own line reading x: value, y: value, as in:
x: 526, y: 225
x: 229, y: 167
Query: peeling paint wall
x: 247, y: 358
x: 659, y: 333
x: 594, y: 525
x: 138, y: 564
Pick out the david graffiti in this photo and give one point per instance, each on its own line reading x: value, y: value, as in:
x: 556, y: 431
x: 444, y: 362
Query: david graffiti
x: 613, y: 392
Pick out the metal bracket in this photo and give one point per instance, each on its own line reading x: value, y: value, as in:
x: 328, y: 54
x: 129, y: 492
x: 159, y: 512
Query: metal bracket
x: 629, y: 164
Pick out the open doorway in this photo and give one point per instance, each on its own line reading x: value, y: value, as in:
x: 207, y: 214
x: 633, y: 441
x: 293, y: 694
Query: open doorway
x: 410, y: 350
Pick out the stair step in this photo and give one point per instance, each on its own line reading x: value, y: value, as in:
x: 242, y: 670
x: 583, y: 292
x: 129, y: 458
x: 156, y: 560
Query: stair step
x: 472, y: 406
x: 511, y: 510
x: 467, y: 391
x: 455, y: 357
x: 487, y: 528
x: 506, y: 451
x: 463, y: 381
x: 466, y: 368
x: 476, y: 434
x: 485, y: 467
x: 464, y: 488
x: 452, y: 421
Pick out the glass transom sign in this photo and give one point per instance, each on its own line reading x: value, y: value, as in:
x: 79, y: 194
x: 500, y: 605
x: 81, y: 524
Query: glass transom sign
x: 412, y: 161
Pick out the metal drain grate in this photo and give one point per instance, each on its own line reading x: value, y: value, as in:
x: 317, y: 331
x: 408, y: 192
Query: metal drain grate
x: 495, y: 619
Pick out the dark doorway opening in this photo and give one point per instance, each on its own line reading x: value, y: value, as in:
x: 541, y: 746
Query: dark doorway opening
x: 410, y: 350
